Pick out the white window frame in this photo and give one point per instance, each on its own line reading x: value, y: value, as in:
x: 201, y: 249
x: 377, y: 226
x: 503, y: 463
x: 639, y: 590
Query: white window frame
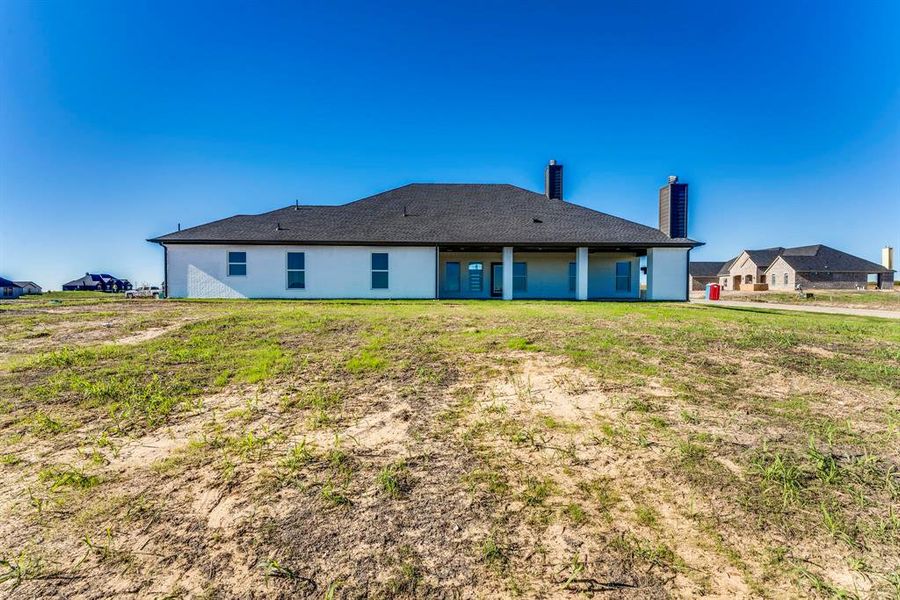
x: 372, y: 271
x: 288, y: 270
x: 523, y: 278
x: 625, y: 278
x: 228, y: 263
x: 480, y: 271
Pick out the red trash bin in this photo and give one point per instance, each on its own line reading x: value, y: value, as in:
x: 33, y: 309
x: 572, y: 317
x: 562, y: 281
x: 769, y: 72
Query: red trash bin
x: 714, y: 291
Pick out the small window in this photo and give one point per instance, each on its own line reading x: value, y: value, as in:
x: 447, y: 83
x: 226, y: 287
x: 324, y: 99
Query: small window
x: 379, y: 270
x: 451, y: 276
x: 237, y: 264
x: 296, y: 270
x: 573, y: 278
x: 520, y: 277
x: 785, y: 279
x: 623, y: 276
x: 773, y: 278
x: 476, y: 276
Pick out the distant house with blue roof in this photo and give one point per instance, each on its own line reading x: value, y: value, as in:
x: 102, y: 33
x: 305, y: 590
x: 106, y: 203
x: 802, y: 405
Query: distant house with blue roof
x: 94, y: 282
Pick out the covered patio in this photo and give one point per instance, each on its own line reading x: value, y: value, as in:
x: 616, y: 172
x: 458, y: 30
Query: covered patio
x: 539, y: 272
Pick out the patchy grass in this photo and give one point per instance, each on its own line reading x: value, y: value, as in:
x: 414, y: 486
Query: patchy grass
x: 407, y: 449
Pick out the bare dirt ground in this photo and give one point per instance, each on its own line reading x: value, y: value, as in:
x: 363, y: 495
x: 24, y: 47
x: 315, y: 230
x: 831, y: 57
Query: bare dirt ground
x: 352, y: 450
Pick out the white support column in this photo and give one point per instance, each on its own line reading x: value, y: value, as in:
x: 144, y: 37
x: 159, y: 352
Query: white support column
x: 507, y: 273
x: 581, y: 273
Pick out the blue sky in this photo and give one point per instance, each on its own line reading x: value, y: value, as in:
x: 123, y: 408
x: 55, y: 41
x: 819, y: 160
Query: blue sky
x: 119, y: 120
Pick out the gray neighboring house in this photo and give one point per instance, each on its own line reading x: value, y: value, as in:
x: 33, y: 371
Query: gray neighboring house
x: 429, y: 241
x: 29, y: 287
x: 9, y: 289
x: 813, y: 267
x: 703, y: 273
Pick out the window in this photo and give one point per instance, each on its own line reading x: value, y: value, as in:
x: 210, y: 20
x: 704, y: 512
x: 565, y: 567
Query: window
x: 237, y: 263
x: 296, y: 270
x: 623, y: 276
x: 379, y: 270
x: 748, y: 278
x: 773, y: 278
x: 451, y: 276
x: 520, y: 277
x: 785, y: 279
x: 573, y: 278
x: 476, y: 276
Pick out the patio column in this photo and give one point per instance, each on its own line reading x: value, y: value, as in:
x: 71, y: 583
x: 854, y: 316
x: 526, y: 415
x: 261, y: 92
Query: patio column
x: 581, y: 273
x: 507, y: 273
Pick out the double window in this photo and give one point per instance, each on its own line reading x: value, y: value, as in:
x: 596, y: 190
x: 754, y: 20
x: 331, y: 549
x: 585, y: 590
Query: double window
x: 296, y: 270
x: 379, y: 270
x: 520, y: 277
x: 623, y: 276
x: 237, y: 264
x: 451, y: 276
x: 476, y: 276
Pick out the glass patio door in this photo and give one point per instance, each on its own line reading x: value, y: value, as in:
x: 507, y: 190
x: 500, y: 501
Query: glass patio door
x: 497, y: 279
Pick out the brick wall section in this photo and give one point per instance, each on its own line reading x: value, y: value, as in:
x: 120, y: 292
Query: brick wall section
x: 832, y: 281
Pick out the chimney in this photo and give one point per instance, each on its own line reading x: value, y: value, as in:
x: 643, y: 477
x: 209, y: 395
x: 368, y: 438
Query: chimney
x: 673, y: 200
x: 553, y: 181
x: 887, y: 258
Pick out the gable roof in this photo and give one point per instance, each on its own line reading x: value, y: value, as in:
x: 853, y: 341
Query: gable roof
x: 87, y: 280
x: 763, y: 258
x: 430, y: 214
x: 705, y: 269
x: 819, y: 257
x: 7, y: 283
x: 24, y: 283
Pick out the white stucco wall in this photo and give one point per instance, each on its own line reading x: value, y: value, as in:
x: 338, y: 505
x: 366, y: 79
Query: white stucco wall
x: 200, y: 271
x: 667, y: 273
x: 602, y: 275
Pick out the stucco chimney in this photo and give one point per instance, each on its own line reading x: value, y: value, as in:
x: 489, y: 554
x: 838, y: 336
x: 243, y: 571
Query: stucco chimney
x: 887, y: 258
x: 553, y: 181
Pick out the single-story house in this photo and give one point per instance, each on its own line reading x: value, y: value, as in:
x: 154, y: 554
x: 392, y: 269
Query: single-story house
x: 94, y: 282
x: 813, y: 267
x: 9, y: 289
x: 703, y: 273
x: 429, y: 241
x: 29, y: 287
x: 822, y: 267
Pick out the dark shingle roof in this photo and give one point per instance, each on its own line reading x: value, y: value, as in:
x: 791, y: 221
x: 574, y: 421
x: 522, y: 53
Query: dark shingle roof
x: 428, y: 214
x: 823, y: 258
x: 763, y: 258
x: 7, y: 283
x: 24, y: 283
x: 87, y: 280
x: 705, y: 269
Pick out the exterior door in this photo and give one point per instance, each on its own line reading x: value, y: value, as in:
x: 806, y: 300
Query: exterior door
x: 497, y: 280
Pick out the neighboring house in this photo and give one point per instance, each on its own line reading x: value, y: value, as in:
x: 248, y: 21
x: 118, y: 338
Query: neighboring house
x: 9, y: 289
x: 815, y: 266
x: 29, y: 287
x: 93, y: 282
x: 429, y: 241
x: 823, y: 267
x: 703, y: 273
x: 747, y: 270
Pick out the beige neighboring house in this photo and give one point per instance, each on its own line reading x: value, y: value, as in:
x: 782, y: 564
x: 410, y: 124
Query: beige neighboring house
x: 812, y: 267
x: 747, y: 271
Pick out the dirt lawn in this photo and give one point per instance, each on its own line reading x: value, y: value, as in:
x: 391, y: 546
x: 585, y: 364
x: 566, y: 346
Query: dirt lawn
x: 876, y: 299
x: 267, y: 449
